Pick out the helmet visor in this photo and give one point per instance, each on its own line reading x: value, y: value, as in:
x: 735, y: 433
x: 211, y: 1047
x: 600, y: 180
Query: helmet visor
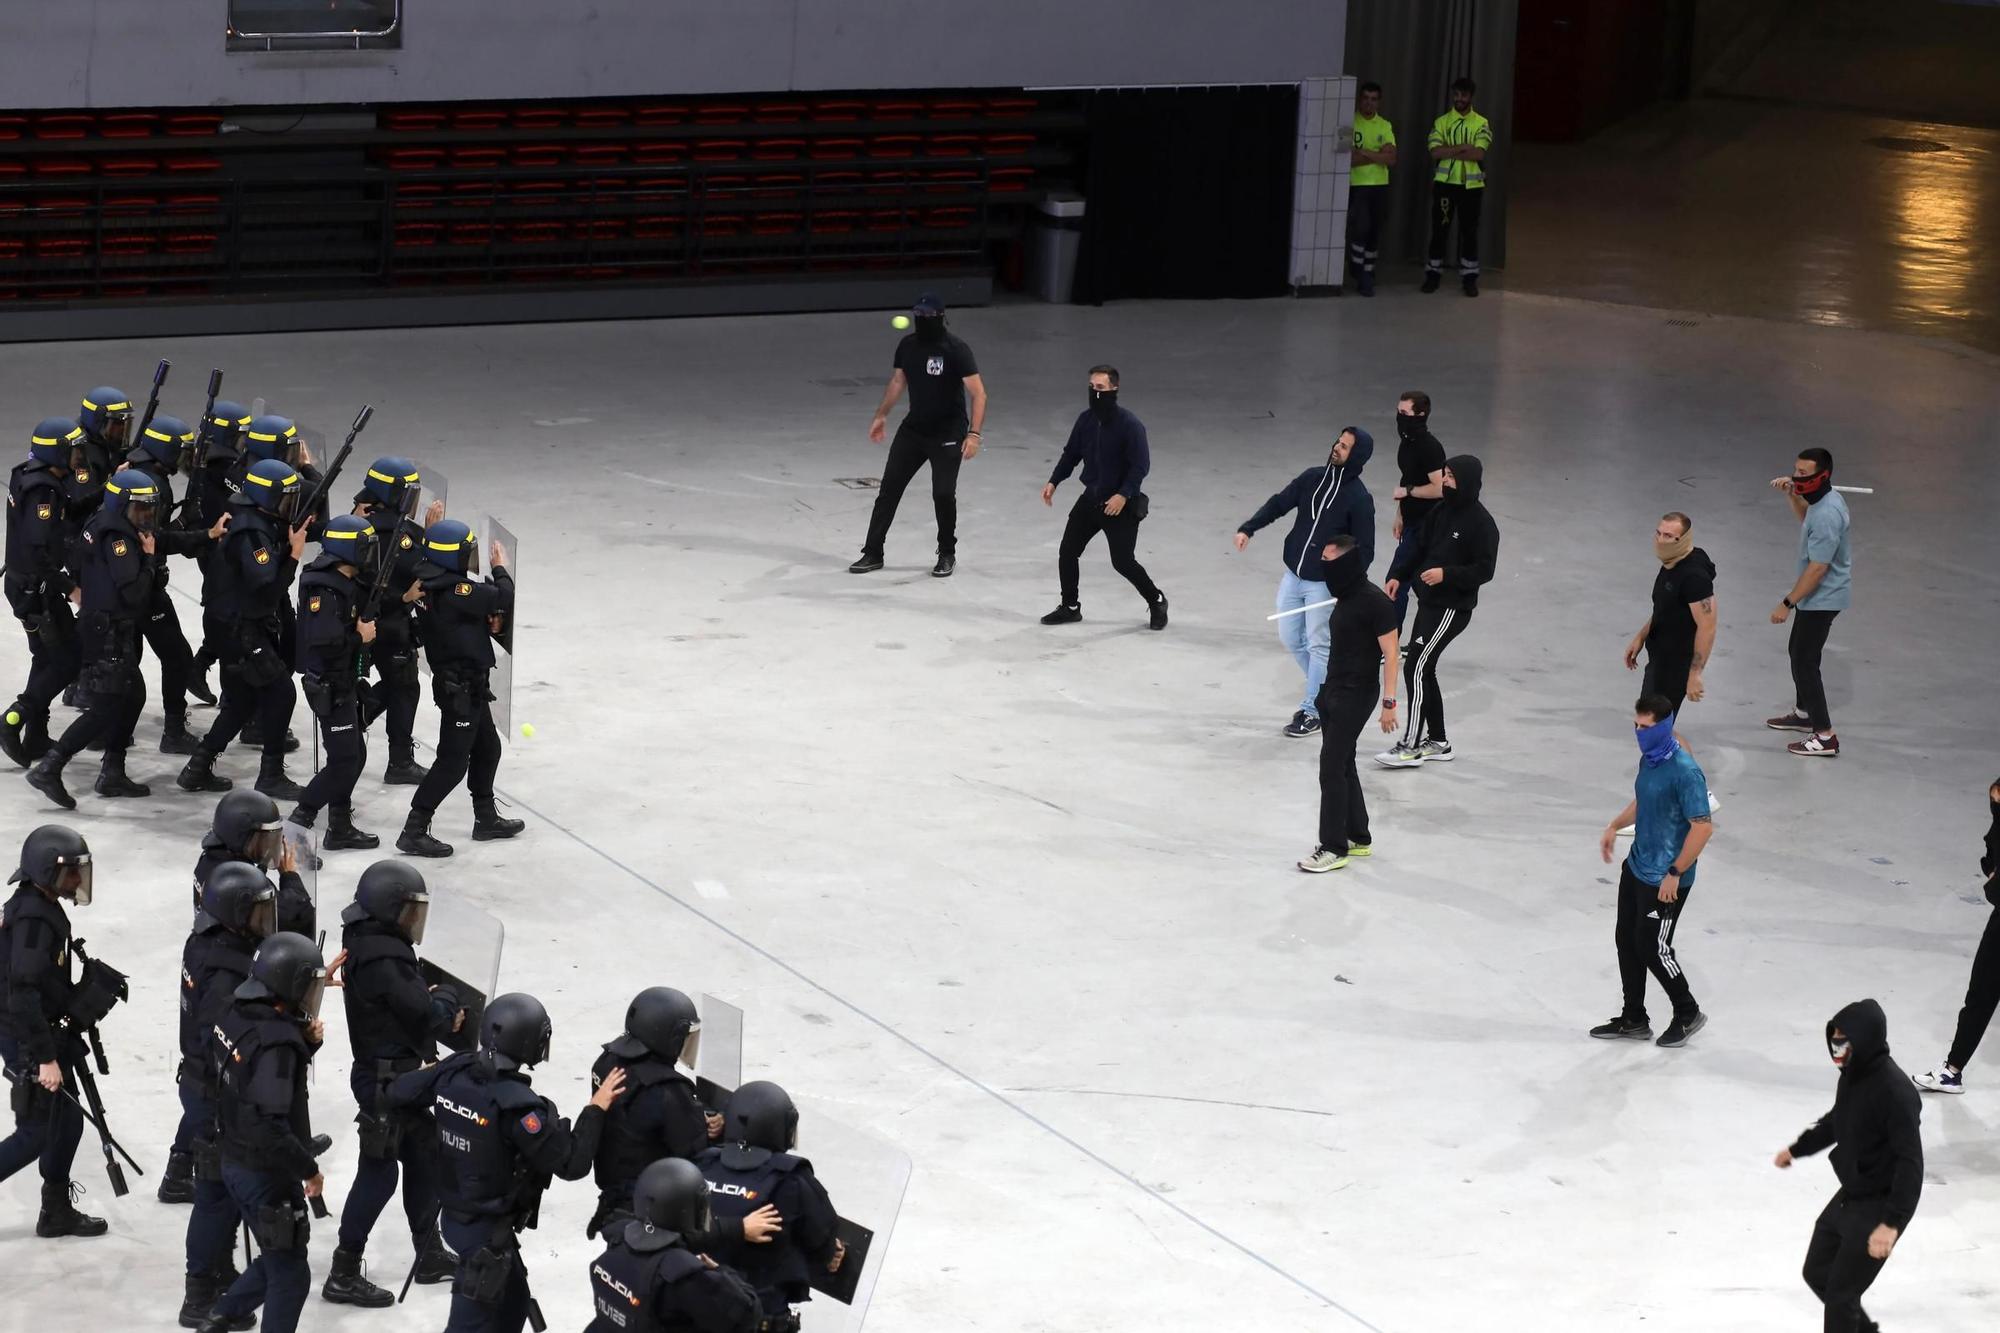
x: 315, y: 991
x: 117, y: 426
x: 691, y: 1048
x: 288, y: 502
x: 415, y: 915
x: 73, y: 879
x: 263, y: 922
x: 265, y: 844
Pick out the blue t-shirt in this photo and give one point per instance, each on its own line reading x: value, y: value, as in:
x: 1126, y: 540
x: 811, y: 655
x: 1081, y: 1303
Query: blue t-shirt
x: 1672, y: 795
x: 1823, y: 541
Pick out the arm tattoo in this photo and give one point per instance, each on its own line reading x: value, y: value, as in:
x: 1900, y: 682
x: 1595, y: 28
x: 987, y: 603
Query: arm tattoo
x: 1708, y: 604
x: 1700, y: 661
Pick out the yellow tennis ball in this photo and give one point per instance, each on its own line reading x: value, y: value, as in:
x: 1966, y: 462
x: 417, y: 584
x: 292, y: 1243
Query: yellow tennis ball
x: 900, y: 322
x: 528, y: 729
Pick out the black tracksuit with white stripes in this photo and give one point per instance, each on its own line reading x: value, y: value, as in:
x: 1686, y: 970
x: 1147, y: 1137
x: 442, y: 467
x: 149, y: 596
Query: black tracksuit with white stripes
x: 1461, y: 540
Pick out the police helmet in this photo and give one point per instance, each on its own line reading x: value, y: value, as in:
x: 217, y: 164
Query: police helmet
x: 663, y: 1021
x: 106, y: 415
x: 134, y: 496
x: 350, y: 539
x: 288, y: 968
x: 392, y: 893
x: 670, y: 1195
x: 273, y: 487
x: 221, y: 439
x: 55, y: 442
x: 452, y: 545
x: 761, y: 1115
x: 392, y: 484
x: 162, y: 446
x: 515, y: 1031
x: 240, y: 898
x: 55, y: 858
x: 248, y: 824
x: 271, y: 436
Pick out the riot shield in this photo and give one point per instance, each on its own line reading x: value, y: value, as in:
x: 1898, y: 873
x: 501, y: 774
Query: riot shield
x: 303, y: 844
x: 434, y: 489
x: 866, y: 1179
x: 461, y: 949
x: 503, y: 641
x: 719, y: 1064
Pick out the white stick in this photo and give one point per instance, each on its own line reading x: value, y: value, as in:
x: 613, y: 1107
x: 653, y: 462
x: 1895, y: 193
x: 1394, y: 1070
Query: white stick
x: 1856, y: 490
x: 1301, y: 610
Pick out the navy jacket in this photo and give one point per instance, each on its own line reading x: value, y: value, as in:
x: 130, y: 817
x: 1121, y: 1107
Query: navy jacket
x: 1324, y: 502
x: 1114, y: 455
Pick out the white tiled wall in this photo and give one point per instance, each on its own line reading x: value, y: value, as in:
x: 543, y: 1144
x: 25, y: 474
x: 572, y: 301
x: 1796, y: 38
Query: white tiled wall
x: 1319, y: 192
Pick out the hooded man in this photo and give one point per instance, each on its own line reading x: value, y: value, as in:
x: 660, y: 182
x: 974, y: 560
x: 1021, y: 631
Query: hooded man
x: 1363, y: 634
x: 1419, y: 479
x: 1450, y: 560
x: 1982, y: 992
x: 1878, y: 1155
x: 1110, y: 442
x: 1325, y: 502
x: 1680, y: 634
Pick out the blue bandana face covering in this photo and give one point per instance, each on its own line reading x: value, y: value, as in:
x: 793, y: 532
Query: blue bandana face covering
x: 1656, y: 743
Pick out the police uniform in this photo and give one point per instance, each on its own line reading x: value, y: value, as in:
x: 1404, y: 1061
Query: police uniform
x: 658, y: 1116
x: 459, y: 644
x: 162, y: 625
x: 328, y: 655
x: 34, y: 975
x: 394, y: 652
x: 214, y: 962
x: 249, y: 583
x: 296, y: 911
x: 649, y: 1281
x: 499, y: 1142
x: 118, y: 578
x: 218, y: 451
x: 742, y: 1179
x: 39, y: 533
x: 261, y: 1057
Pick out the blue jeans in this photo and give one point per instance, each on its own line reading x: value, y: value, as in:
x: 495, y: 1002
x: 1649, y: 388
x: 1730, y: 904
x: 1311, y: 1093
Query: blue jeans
x: 278, y: 1280
x: 1306, y: 635
x: 1409, y: 539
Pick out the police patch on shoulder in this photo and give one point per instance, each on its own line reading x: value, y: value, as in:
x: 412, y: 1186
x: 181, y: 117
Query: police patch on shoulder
x: 263, y: 556
x: 44, y: 511
x: 83, y: 474
x: 407, y: 542
x: 119, y: 547
x: 463, y: 590
x: 314, y: 604
x: 532, y: 1122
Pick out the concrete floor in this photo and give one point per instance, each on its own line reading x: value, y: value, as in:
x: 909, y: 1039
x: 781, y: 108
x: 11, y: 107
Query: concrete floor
x: 1020, y: 902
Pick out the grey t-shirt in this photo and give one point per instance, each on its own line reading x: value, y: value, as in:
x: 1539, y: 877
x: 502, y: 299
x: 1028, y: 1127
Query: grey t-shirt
x: 1823, y: 540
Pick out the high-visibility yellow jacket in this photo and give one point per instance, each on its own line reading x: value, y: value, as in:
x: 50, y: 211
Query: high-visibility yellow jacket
x: 1454, y: 129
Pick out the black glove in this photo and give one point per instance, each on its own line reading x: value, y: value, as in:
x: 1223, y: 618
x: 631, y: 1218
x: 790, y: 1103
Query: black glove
x: 321, y: 1144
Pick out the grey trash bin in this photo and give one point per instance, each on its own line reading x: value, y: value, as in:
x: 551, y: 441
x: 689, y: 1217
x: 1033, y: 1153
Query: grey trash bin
x: 1052, y: 254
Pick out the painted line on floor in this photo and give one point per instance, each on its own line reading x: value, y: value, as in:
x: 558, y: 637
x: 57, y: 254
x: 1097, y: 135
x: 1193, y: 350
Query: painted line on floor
x: 942, y: 1063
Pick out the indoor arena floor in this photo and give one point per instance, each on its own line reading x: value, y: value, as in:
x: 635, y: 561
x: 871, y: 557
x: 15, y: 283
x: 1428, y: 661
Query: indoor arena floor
x: 1020, y: 902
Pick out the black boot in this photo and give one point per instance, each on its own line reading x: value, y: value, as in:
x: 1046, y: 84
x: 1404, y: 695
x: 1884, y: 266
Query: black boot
x: 111, y: 779
x: 197, y: 686
x: 35, y: 737
x: 487, y: 825
x: 434, y: 1262
x: 342, y: 836
x: 46, y: 778
x: 253, y: 737
x: 177, y: 1185
x: 345, y: 1285
x: 416, y: 839
x: 203, y: 1291
x: 403, y: 769
x: 59, y: 1215
x: 271, y: 779
x: 13, y: 741
x: 199, y: 774
x: 224, y: 1323
x: 177, y: 739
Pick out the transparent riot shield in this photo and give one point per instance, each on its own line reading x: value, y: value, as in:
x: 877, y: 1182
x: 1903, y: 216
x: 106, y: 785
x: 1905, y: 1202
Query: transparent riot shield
x: 432, y: 493
x: 461, y: 949
x: 866, y: 1178
x: 719, y: 1064
x: 503, y: 638
x: 303, y: 844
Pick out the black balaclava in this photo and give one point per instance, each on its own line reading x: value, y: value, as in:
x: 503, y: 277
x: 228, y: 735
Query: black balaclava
x: 1469, y: 475
x: 1344, y: 572
x: 1104, y: 401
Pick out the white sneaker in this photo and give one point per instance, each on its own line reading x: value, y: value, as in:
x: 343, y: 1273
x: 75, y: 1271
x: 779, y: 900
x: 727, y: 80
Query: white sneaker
x: 1439, y: 751
x: 1403, y: 756
x: 1322, y: 861
x: 1940, y: 1079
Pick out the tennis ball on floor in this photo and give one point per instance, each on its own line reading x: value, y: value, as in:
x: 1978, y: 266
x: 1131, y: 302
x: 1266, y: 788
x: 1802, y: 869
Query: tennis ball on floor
x: 900, y: 322
x: 528, y: 729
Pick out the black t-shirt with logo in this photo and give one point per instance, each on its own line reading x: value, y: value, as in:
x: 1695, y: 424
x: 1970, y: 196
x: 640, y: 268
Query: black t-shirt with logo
x: 1691, y: 580
x: 1415, y: 461
x: 1360, y: 619
x: 936, y: 372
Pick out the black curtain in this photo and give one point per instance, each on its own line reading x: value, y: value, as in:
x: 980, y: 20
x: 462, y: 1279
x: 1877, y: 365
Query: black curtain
x: 1188, y: 193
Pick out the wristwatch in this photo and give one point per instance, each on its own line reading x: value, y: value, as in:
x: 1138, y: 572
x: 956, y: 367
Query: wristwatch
x: 1788, y: 603
x: 1388, y: 703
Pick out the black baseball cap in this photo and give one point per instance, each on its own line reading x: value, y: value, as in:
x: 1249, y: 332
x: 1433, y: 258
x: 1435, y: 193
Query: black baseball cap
x: 928, y: 304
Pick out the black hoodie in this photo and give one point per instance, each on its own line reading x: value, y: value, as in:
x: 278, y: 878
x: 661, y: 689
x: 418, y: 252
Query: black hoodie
x: 1878, y: 1153
x: 1989, y: 864
x: 1459, y: 537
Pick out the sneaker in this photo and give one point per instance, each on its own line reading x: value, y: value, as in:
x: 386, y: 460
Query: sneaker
x: 1435, y: 750
x: 1789, y: 722
x: 944, y: 567
x: 1431, y: 281
x: 1403, y: 756
x: 1156, y: 617
x: 1681, y: 1029
x: 1063, y: 615
x: 1361, y: 849
x: 867, y: 564
x: 1942, y: 1079
x: 1321, y: 861
x: 1622, y: 1028
x: 1302, y: 724
x: 1816, y: 746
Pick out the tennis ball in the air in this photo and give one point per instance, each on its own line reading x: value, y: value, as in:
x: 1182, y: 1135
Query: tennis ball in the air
x: 528, y: 729
x: 900, y: 322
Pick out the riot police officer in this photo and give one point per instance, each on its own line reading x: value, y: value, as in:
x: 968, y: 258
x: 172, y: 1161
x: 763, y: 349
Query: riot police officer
x: 499, y: 1142
x: 756, y: 1162
x: 39, y: 587
x: 331, y: 638
x: 461, y: 615
x: 218, y: 454
x: 250, y: 581
x: 653, y: 1276
x: 388, y: 500
x: 161, y: 451
x: 239, y: 910
x: 247, y: 828
x: 660, y: 1116
x: 117, y: 575
x: 274, y: 437
x: 36, y: 1045
x: 261, y: 1051
x: 106, y: 419
x: 394, y: 1022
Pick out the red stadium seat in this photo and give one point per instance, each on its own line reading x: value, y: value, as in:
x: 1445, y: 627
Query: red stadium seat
x: 838, y: 111
x: 538, y: 117
x: 194, y: 124
x: 777, y: 150
x: 128, y: 124
x: 420, y: 121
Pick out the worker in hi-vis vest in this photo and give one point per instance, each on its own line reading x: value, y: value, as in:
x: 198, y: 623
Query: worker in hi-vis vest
x: 1459, y: 142
x: 1368, y: 185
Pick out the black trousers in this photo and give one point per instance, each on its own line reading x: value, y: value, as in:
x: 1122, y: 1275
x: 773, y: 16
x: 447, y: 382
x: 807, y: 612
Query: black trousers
x: 1451, y: 203
x: 47, y: 1125
x: 1667, y: 676
x: 375, y: 1178
x: 1646, y: 944
x: 1086, y: 519
x: 1366, y: 207
x: 1982, y: 994
x: 468, y: 747
x: 400, y: 689
x: 53, y: 661
x: 256, y: 682
x: 1343, y: 809
x: 170, y: 645
x: 343, y: 737
x: 908, y: 452
x: 1838, y: 1268
x: 1807, y: 644
x: 1435, y: 629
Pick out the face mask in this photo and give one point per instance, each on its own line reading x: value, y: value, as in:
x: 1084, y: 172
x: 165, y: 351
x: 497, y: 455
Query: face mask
x: 1673, y: 552
x: 1811, y: 489
x: 1656, y: 743
x: 1103, y: 401
x: 1408, y: 427
x: 930, y: 328
x: 1839, y: 1048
